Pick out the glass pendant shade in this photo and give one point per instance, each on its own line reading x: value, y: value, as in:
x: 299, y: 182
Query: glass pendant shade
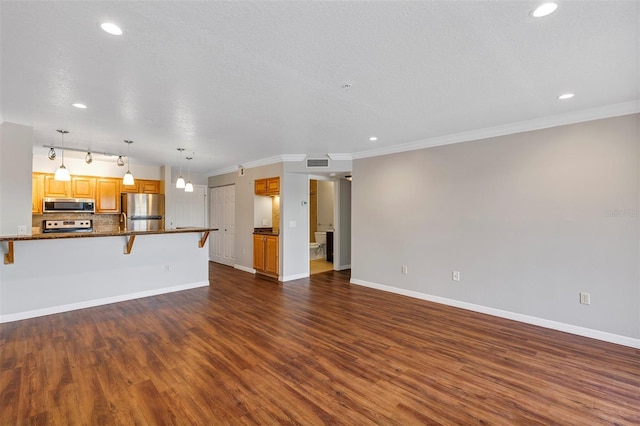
x: 189, y: 186
x: 128, y: 178
x: 62, y: 174
x: 180, y: 183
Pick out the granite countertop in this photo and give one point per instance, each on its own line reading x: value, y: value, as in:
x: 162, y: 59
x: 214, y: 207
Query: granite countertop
x: 264, y: 231
x: 116, y: 233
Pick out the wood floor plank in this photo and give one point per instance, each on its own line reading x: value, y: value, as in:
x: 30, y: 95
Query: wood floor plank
x: 316, y: 351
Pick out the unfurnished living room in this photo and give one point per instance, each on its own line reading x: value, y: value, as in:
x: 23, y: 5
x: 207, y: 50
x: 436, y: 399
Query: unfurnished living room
x: 466, y: 174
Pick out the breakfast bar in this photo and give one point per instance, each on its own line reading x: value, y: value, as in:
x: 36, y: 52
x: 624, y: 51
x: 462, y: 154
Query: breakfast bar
x: 45, y: 273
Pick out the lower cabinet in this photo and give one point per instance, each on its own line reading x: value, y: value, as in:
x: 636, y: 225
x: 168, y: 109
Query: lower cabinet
x: 265, y: 254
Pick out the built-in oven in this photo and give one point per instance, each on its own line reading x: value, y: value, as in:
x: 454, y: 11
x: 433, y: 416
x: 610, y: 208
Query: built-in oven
x: 69, y: 205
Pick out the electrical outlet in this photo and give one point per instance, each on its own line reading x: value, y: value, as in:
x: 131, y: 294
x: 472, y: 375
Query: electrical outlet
x: 167, y: 268
x: 22, y: 229
x: 455, y: 275
x: 585, y: 298
x: 404, y: 269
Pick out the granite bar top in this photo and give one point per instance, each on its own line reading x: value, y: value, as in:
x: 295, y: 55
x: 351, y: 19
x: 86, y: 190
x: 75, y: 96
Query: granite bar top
x: 115, y: 233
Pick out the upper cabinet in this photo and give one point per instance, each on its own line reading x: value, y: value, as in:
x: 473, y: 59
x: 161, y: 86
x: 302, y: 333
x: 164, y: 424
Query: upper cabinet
x: 106, y: 191
x: 83, y: 187
x: 78, y: 187
x: 149, y: 186
x: 37, y: 187
x: 56, y: 188
x: 107, y: 195
x: 268, y: 186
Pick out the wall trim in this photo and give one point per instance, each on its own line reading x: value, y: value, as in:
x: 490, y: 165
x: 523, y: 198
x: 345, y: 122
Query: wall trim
x: 342, y: 267
x: 293, y: 277
x: 244, y: 268
x: 541, y: 322
x: 98, y: 302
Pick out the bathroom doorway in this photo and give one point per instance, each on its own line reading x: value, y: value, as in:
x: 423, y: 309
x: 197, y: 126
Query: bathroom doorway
x: 321, y: 225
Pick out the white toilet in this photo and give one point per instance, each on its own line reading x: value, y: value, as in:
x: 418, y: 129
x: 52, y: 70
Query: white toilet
x: 316, y: 250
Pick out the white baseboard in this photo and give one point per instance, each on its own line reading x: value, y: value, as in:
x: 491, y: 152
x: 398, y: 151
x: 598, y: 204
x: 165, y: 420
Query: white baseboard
x: 244, y: 268
x: 554, y: 325
x: 293, y: 277
x: 98, y: 302
x: 342, y: 267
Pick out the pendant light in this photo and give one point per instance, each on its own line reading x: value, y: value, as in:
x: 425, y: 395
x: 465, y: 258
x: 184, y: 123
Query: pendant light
x: 189, y: 186
x: 52, y: 154
x: 62, y: 173
x: 180, y: 182
x: 120, y: 161
x: 128, y: 177
x: 88, y: 158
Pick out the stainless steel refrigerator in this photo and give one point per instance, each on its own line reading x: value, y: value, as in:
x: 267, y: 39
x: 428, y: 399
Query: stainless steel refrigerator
x: 144, y: 212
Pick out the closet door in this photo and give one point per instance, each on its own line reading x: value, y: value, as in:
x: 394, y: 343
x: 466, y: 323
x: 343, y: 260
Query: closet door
x: 222, y: 210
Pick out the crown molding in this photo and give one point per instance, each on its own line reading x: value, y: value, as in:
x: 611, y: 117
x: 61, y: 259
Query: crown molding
x: 341, y: 156
x: 608, y: 111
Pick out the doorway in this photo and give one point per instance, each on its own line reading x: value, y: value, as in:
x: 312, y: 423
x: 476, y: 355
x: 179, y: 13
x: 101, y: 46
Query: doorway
x: 321, y: 225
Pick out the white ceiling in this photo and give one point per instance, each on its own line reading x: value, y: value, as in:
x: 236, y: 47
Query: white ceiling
x: 236, y: 82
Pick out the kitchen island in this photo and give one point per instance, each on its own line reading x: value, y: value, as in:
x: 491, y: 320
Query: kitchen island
x: 48, y: 273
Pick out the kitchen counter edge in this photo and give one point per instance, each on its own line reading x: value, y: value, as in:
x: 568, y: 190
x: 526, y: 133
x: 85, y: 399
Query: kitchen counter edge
x: 60, y: 235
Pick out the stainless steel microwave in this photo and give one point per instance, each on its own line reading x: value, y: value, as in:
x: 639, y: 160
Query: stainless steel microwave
x: 69, y: 205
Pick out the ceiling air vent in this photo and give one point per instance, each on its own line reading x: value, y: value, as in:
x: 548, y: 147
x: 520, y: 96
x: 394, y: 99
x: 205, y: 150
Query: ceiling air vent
x: 317, y: 162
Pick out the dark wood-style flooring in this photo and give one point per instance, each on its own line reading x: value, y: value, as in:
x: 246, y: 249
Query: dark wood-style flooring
x: 249, y: 350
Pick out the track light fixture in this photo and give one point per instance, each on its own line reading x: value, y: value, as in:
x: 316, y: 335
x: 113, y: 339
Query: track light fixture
x: 52, y: 154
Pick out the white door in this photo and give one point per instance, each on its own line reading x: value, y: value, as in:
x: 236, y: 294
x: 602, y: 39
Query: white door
x: 222, y: 210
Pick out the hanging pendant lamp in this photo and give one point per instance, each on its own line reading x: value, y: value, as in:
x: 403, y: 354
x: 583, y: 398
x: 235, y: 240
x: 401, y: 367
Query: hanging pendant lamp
x: 62, y: 173
x: 128, y: 177
x: 189, y: 186
x: 180, y: 182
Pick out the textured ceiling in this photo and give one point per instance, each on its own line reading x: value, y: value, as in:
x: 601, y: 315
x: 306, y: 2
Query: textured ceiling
x: 236, y: 82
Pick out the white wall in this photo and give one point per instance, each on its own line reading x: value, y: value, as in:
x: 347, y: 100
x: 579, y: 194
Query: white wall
x: 58, y: 275
x: 530, y: 220
x: 326, y: 203
x: 263, y: 212
x: 188, y: 209
x: 16, y: 141
x: 294, y: 219
x: 99, y: 167
x: 342, y: 243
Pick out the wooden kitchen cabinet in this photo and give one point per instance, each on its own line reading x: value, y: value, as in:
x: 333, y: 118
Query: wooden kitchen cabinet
x: 130, y: 188
x: 83, y: 187
x: 149, y: 186
x: 78, y: 187
x: 55, y: 188
x: 107, y: 195
x: 265, y: 254
x: 37, y: 189
x: 267, y: 186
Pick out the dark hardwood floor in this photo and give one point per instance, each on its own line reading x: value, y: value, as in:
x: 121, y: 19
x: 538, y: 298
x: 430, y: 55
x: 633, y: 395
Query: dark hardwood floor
x: 249, y: 350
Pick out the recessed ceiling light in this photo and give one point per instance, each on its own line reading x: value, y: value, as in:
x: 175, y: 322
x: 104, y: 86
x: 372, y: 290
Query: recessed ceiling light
x: 373, y: 139
x: 544, y: 10
x: 111, y: 28
x: 566, y: 96
x: 81, y: 106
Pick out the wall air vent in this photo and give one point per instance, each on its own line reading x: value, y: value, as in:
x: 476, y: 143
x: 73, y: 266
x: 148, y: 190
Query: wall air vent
x: 317, y: 162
